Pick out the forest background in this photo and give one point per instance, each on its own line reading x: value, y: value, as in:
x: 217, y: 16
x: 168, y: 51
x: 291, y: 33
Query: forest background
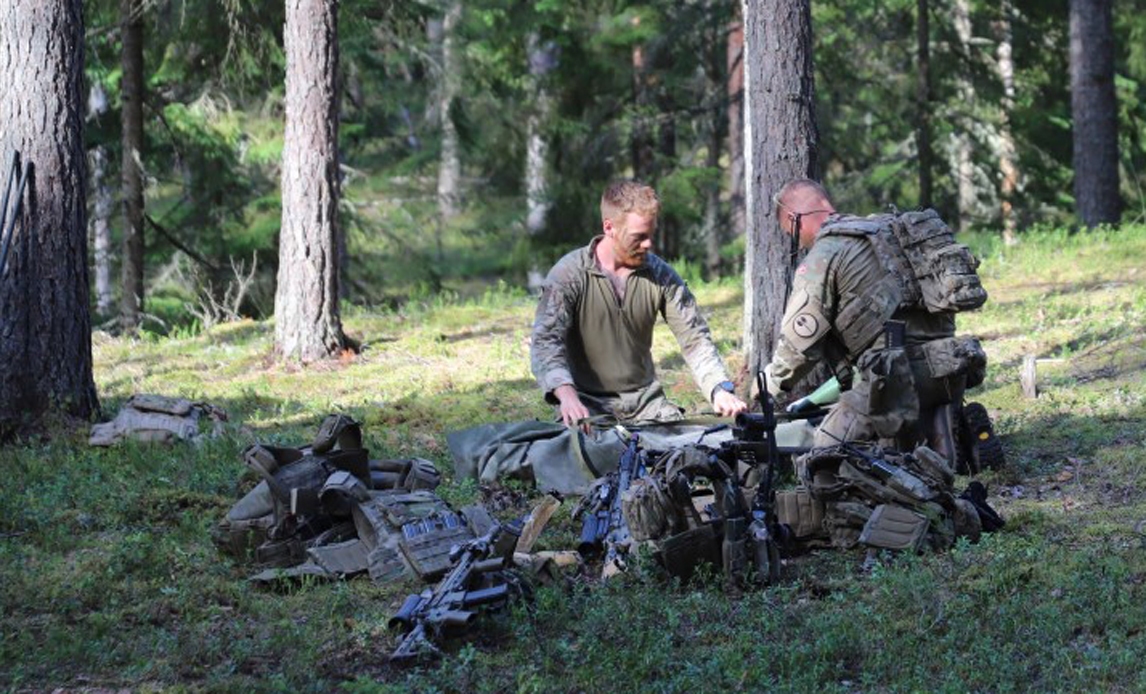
x: 474, y: 141
x: 475, y: 137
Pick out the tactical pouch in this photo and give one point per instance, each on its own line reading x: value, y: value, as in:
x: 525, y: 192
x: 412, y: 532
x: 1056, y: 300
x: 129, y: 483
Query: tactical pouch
x: 680, y: 554
x: 945, y: 270
x: 421, y: 474
x: 800, y: 511
x: 340, y: 430
x: 341, y: 492
x: 894, y: 527
x: 886, y: 391
x: 844, y: 520
x: 426, y: 543
x: 646, y: 509
x: 934, y: 467
x: 956, y: 356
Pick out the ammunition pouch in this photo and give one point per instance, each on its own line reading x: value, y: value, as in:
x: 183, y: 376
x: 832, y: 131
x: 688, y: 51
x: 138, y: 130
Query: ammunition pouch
x: 801, y: 512
x: 886, y: 391
x: 426, y: 543
x: 956, y: 356
x: 341, y: 492
x: 337, y: 430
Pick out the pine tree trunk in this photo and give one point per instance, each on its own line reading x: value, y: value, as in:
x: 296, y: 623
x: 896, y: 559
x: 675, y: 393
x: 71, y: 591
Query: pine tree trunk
x: 542, y: 59
x: 1095, y: 112
x: 781, y: 143
x: 101, y: 208
x: 1008, y: 158
x: 923, y: 96
x: 307, y: 322
x: 131, y: 96
x: 45, y: 323
x: 450, y: 167
x: 641, y: 139
x: 966, y: 197
x: 735, y: 57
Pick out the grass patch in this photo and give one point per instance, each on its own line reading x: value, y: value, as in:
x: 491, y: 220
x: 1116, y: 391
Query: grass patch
x: 108, y: 577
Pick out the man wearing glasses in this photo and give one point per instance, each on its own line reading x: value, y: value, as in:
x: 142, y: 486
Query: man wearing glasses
x: 855, y: 289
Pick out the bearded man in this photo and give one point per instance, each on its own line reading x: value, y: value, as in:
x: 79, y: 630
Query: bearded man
x: 593, y: 333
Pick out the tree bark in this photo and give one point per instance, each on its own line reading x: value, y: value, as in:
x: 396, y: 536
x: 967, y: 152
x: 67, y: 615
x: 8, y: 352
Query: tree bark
x: 735, y: 57
x: 450, y: 167
x: 966, y: 197
x: 542, y: 59
x: 781, y: 143
x: 101, y: 207
x: 1094, y: 111
x: 923, y: 96
x: 131, y: 97
x: 1008, y: 158
x: 641, y: 139
x: 307, y: 322
x: 45, y: 323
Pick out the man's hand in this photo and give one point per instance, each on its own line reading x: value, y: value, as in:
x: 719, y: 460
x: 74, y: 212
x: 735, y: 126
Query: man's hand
x: 726, y: 404
x: 572, y: 409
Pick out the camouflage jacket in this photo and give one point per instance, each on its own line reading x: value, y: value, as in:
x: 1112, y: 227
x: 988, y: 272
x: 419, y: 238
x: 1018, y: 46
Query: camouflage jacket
x: 834, y: 290
x: 584, y: 336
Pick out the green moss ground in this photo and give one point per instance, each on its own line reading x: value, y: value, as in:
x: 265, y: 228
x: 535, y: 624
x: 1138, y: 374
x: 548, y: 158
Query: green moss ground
x: 108, y: 577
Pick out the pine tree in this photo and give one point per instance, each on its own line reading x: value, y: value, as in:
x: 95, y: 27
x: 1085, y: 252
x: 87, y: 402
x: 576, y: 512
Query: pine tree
x: 307, y: 322
x: 45, y: 322
x: 781, y: 143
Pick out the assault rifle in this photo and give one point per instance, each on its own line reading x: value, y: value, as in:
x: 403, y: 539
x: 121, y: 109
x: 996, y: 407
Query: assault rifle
x: 603, y: 525
x: 473, y: 581
x: 753, y: 443
x: 8, y: 223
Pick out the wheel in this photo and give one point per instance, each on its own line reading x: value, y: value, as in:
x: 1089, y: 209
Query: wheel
x: 985, y: 448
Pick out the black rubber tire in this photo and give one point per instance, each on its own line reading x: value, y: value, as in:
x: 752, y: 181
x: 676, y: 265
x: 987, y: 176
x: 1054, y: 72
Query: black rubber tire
x: 985, y: 447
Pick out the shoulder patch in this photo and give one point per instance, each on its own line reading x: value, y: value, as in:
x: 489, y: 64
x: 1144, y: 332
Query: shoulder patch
x: 804, y: 323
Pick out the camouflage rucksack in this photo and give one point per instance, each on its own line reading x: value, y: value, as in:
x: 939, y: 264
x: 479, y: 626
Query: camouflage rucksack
x: 933, y: 271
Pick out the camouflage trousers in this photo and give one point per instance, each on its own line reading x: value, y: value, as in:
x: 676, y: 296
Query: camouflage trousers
x: 648, y: 404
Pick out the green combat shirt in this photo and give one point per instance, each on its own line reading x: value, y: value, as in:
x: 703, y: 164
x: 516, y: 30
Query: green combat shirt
x: 584, y: 336
x: 838, y: 271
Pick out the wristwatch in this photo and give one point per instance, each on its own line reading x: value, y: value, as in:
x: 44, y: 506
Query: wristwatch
x: 724, y: 385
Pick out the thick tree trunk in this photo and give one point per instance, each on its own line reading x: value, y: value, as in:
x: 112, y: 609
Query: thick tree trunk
x: 101, y: 208
x: 45, y: 323
x: 450, y: 167
x: 735, y: 57
x: 966, y: 197
x: 1094, y: 111
x: 542, y: 59
x: 1008, y: 158
x: 781, y: 143
x: 307, y: 322
x: 923, y: 97
x: 131, y: 97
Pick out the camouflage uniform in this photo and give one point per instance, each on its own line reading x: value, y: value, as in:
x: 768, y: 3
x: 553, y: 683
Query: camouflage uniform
x: 584, y: 336
x: 842, y: 294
